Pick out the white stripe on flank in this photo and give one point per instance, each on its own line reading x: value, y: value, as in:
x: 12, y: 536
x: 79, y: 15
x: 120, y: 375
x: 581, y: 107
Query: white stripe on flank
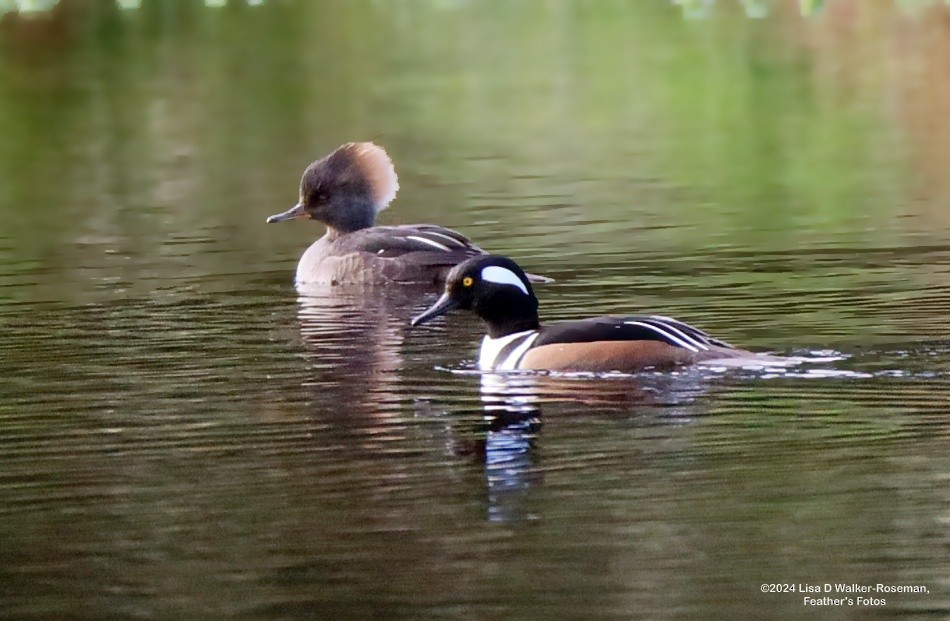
x: 448, y: 237
x: 511, y: 362
x: 503, y: 276
x: 686, y: 337
x: 664, y: 334
x: 430, y: 242
x: 491, y: 348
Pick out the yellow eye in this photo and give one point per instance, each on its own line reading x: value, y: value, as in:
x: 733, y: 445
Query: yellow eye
x: 467, y: 281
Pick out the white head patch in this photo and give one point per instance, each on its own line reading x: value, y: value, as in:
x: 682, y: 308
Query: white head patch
x: 503, y: 276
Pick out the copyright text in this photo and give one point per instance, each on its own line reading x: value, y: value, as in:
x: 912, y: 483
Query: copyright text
x: 843, y: 594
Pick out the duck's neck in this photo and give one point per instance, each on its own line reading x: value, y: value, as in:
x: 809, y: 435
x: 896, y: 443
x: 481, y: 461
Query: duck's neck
x: 503, y: 320
x: 496, y: 330
x: 355, y: 214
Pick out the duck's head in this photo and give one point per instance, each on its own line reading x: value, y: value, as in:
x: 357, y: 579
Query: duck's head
x: 495, y: 288
x: 346, y: 189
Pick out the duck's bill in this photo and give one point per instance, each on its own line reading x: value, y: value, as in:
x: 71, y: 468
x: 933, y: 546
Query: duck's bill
x: 297, y: 211
x: 443, y: 305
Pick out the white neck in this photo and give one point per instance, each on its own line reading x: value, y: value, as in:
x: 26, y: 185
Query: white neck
x: 491, y: 348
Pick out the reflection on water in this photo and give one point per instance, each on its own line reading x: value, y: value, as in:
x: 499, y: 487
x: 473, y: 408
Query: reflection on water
x: 509, y: 464
x: 356, y: 332
x: 513, y: 416
x: 187, y: 436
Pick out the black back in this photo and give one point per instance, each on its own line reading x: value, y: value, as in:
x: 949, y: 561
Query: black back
x: 636, y: 328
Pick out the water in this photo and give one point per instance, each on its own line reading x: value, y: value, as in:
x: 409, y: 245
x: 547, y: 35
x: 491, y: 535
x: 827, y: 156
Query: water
x: 187, y: 436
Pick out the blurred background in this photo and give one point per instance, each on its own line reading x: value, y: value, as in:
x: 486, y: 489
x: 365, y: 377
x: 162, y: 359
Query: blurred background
x: 184, y: 435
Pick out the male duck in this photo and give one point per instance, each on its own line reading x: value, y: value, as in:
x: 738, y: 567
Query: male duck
x: 498, y: 291
x: 345, y: 190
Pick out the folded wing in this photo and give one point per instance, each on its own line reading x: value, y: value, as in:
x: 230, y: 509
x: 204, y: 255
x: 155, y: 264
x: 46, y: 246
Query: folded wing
x: 637, y: 328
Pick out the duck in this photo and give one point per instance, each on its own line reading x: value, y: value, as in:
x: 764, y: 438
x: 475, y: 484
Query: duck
x: 496, y: 289
x: 346, y: 190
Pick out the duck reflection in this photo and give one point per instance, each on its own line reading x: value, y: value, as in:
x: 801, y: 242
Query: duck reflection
x: 512, y: 424
x: 510, y: 464
x: 612, y: 393
x: 353, y: 338
x: 506, y: 445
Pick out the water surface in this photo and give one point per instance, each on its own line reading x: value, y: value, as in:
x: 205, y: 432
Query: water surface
x: 187, y: 436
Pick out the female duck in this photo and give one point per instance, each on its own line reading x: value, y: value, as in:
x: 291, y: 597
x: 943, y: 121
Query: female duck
x: 345, y: 190
x: 498, y: 291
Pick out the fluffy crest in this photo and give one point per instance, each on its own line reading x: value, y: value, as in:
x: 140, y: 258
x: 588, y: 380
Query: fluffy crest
x: 376, y: 168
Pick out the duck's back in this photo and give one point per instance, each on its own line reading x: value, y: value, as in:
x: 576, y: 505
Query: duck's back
x: 630, y: 344
x: 421, y: 253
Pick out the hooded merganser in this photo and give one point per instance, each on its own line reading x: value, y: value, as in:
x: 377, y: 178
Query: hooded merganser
x: 345, y: 190
x: 498, y: 291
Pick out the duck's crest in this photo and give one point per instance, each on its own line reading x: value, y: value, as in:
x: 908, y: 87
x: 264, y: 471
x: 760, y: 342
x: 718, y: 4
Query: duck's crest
x: 376, y: 167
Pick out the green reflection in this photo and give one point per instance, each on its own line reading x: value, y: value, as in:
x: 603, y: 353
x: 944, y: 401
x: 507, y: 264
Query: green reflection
x: 757, y: 9
x: 584, y: 122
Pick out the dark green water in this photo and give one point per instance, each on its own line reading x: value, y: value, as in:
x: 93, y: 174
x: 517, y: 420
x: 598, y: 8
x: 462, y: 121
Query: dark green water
x: 182, y: 437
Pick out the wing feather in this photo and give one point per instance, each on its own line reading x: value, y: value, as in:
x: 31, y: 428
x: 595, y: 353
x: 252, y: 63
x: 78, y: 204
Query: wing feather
x: 637, y: 328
